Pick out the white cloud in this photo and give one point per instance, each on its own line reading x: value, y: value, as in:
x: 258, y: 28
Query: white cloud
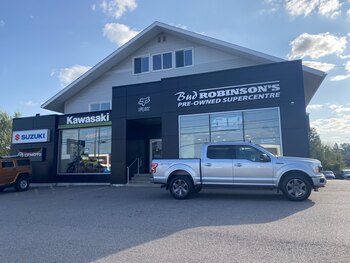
x: 328, y: 8
x: 335, y: 129
x: 116, y: 8
x: 314, y: 107
x: 316, y: 46
x: 339, y: 109
x: 68, y: 75
x: 339, y: 77
x: 31, y: 103
x: 2, y: 23
x: 344, y: 56
x: 319, y: 65
x: 118, y: 33
x: 93, y: 7
x: 274, y: 6
x: 343, y: 77
x: 301, y: 7
x: 179, y: 25
x: 348, y: 13
x: 347, y: 66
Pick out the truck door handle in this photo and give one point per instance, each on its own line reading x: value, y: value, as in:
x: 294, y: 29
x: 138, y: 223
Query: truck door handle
x: 238, y: 164
x: 208, y: 164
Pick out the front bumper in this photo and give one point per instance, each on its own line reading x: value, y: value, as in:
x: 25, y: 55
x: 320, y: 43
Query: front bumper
x: 319, y: 181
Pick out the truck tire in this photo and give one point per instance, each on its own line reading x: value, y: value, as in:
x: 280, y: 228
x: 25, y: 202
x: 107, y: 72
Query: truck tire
x: 22, y: 183
x: 296, y: 187
x: 181, y: 187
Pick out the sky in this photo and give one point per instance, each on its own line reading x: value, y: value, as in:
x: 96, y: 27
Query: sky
x: 45, y: 45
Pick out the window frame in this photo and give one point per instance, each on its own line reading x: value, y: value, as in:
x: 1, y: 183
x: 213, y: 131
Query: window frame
x: 100, y: 103
x: 162, y: 61
x: 60, y: 136
x: 184, y: 49
x: 4, y: 162
x: 223, y: 146
x: 280, y: 149
x: 244, y: 148
x: 141, y: 57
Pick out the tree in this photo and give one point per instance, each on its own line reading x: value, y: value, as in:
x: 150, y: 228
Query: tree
x: 6, y: 132
x: 332, y: 158
x: 345, y: 148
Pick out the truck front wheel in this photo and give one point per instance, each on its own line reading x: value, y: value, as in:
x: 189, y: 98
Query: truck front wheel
x: 181, y: 187
x: 296, y: 187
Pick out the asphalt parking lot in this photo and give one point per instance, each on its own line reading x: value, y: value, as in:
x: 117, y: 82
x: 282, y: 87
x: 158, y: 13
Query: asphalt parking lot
x: 145, y: 224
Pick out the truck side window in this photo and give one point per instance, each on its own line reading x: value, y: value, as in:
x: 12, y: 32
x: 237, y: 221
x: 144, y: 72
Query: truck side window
x: 248, y: 153
x: 7, y: 164
x: 221, y: 152
x: 24, y: 162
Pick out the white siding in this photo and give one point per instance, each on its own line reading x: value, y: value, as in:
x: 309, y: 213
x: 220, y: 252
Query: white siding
x: 206, y: 59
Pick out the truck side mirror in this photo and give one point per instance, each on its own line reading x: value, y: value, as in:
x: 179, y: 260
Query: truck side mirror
x: 264, y: 158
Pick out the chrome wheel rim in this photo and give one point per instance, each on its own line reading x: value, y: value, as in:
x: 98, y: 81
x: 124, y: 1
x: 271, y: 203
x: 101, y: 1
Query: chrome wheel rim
x: 296, y: 188
x: 23, y: 184
x: 180, y: 187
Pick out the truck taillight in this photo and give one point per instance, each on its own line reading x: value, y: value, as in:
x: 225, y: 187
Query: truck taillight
x: 154, y: 167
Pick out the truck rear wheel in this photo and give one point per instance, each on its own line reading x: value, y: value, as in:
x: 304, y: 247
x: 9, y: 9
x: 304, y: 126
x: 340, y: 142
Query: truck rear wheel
x: 296, y: 187
x: 181, y: 187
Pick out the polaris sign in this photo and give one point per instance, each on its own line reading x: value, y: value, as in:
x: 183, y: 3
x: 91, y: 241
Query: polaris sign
x: 31, y: 136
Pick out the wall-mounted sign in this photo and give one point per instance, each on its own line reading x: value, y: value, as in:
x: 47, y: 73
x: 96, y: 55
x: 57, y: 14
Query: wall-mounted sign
x: 89, y: 119
x: 30, y: 136
x: 34, y: 154
x: 230, y: 94
x: 143, y: 102
x: 102, y: 117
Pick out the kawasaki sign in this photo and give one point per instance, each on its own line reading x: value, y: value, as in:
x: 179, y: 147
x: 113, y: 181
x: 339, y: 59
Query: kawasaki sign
x: 85, y: 120
x: 30, y: 136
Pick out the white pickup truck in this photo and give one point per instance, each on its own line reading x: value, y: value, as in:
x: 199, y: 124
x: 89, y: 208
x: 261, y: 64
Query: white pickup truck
x: 242, y: 165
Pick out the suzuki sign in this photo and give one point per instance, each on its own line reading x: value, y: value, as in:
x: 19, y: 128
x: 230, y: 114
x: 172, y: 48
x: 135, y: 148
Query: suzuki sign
x: 31, y: 136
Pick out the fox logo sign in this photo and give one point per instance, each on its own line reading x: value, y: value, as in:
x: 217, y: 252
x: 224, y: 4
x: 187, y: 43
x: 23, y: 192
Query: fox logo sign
x: 144, y: 101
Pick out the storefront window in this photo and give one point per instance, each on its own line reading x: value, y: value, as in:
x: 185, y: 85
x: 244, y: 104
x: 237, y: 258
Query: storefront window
x: 194, y: 131
x: 263, y: 127
x: 226, y: 127
x: 258, y: 126
x: 86, y: 150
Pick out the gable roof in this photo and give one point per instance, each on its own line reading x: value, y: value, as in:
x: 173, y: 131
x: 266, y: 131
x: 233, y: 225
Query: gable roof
x: 312, y: 77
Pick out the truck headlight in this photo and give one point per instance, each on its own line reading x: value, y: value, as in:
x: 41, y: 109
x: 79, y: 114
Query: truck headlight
x: 317, y: 169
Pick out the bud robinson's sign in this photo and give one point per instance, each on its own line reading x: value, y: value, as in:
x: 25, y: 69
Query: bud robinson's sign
x: 229, y: 94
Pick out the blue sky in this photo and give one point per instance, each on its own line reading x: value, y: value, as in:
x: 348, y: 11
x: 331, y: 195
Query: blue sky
x: 44, y: 45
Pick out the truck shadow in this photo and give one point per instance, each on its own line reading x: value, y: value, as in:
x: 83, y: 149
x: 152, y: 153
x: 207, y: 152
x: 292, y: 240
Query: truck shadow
x: 112, y: 219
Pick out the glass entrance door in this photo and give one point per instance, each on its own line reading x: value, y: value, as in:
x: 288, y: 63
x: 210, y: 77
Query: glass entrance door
x: 155, y: 150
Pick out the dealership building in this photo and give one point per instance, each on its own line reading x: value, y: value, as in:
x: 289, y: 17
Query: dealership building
x: 161, y: 95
